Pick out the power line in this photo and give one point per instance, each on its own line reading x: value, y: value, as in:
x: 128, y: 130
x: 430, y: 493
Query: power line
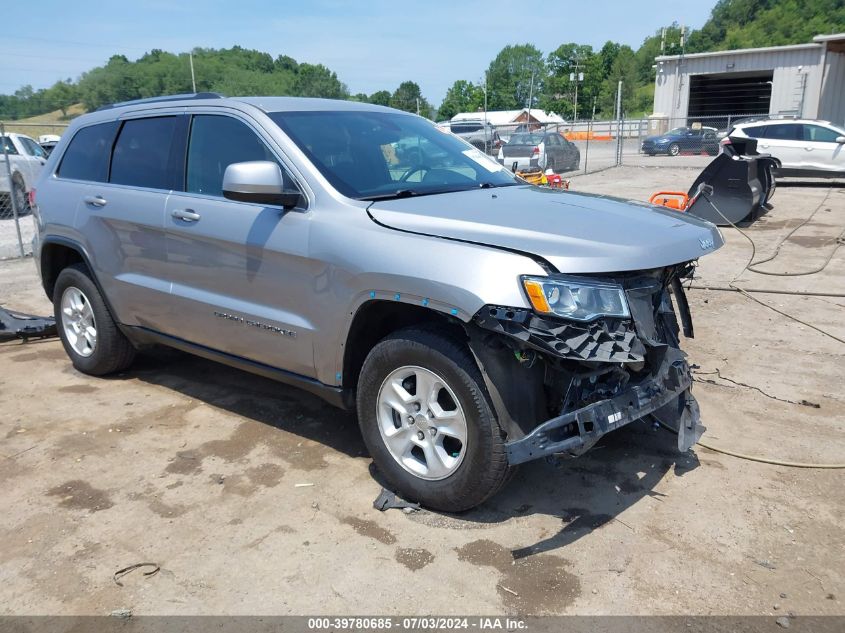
x: 69, y: 43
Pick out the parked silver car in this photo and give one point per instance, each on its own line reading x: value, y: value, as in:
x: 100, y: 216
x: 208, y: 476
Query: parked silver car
x: 356, y: 251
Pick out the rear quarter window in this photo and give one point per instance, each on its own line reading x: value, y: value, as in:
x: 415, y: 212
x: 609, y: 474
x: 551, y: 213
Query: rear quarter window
x: 87, y: 155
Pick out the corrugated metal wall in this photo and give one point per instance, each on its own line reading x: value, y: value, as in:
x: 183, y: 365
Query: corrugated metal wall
x: 671, y: 94
x: 832, y: 105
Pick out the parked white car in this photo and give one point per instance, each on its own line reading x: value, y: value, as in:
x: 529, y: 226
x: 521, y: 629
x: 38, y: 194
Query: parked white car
x: 802, y: 147
x: 26, y: 158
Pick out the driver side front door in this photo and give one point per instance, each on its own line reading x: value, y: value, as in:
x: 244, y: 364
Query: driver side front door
x: 240, y: 272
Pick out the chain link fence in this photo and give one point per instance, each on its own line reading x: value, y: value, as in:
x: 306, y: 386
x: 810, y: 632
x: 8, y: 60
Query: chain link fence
x: 653, y: 141
x: 21, y: 162
x: 589, y: 146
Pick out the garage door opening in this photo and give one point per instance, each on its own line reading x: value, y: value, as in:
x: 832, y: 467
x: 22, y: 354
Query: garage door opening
x: 730, y: 94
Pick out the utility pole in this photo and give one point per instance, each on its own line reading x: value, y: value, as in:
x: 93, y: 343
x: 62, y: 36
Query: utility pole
x: 576, y: 77
x: 193, y: 79
x: 619, y: 123
x: 530, y: 99
x: 418, y: 106
x: 485, y: 99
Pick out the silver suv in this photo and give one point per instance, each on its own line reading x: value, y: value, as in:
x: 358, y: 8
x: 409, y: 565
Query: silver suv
x: 356, y: 251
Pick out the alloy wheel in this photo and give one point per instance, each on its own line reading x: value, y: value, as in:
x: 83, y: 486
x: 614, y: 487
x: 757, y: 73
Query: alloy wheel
x: 421, y: 422
x: 78, y: 323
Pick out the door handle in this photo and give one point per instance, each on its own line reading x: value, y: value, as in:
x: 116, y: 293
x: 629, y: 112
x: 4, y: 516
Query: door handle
x: 808, y: 149
x: 185, y: 214
x: 95, y: 201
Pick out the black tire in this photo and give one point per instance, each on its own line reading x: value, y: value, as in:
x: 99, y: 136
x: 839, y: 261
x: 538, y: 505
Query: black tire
x: 113, y: 352
x: 484, y: 468
x: 674, y: 149
x: 18, y: 192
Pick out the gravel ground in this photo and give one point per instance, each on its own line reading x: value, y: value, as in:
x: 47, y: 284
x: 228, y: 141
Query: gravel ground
x: 254, y: 497
x: 9, y: 248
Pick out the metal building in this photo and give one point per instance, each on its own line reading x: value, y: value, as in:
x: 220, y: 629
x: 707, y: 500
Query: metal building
x: 807, y: 80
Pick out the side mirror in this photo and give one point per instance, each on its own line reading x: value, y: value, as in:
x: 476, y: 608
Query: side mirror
x: 258, y: 181
x: 840, y: 140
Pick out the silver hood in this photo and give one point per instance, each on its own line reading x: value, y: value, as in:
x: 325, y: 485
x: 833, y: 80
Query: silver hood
x: 575, y: 232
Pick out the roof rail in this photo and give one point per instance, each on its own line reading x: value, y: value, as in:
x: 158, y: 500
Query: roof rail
x: 182, y: 97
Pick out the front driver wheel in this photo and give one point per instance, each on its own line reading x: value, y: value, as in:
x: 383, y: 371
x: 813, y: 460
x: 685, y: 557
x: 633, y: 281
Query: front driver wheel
x: 674, y: 149
x: 428, y: 423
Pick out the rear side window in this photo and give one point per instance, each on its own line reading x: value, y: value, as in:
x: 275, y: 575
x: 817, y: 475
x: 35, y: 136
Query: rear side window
x: 215, y: 143
x: 87, y: 156
x: 784, y: 132
x: 142, y: 152
x: 756, y: 132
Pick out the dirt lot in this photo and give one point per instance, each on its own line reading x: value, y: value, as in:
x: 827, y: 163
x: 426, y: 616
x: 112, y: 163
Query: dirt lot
x: 257, y: 498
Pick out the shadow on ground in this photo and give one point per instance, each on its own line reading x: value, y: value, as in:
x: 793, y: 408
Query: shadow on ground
x: 584, y: 493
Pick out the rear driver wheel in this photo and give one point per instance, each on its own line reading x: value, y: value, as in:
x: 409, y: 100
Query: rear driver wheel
x: 428, y: 423
x: 86, y: 328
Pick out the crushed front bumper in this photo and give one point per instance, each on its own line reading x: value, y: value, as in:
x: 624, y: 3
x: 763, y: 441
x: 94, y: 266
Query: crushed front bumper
x: 558, y: 386
x: 575, y: 432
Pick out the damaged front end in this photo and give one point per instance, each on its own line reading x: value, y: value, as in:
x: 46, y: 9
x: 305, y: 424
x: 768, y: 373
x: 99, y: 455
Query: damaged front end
x: 559, y: 385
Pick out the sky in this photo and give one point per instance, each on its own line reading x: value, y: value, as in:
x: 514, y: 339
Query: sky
x: 371, y: 45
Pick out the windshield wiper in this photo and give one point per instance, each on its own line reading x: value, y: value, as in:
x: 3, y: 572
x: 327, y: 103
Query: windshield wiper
x: 400, y: 193
x: 492, y: 185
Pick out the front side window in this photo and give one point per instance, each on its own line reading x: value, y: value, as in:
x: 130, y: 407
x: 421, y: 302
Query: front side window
x: 32, y: 148
x: 87, y: 156
x: 215, y: 143
x: 820, y: 134
x: 142, y: 153
x: 376, y: 155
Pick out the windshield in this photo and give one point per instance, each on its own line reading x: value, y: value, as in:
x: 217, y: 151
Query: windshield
x: 678, y: 131
x: 526, y: 139
x: 374, y: 155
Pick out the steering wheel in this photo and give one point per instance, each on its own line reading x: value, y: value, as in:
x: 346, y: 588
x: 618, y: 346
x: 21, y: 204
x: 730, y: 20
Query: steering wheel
x: 412, y: 171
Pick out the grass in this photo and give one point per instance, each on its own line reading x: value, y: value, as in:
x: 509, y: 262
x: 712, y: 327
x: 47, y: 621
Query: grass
x: 47, y: 123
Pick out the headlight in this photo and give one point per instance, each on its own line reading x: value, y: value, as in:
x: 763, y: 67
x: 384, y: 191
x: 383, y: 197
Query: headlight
x: 580, y: 300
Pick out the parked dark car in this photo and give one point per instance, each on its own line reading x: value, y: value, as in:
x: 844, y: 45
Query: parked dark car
x: 683, y: 139
x: 546, y: 150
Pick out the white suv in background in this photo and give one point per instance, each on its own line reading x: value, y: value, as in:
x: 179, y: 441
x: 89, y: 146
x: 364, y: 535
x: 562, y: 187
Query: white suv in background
x: 26, y: 158
x: 802, y: 147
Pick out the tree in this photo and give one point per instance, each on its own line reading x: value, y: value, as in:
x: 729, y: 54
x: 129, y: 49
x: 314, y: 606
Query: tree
x: 515, y: 73
x: 62, y: 95
x: 408, y: 97
x: 463, y: 96
x: 318, y: 81
x: 382, y: 98
x: 570, y: 60
x: 623, y: 69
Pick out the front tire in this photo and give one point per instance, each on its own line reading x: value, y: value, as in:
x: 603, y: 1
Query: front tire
x: 428, y: 423
x: 674, y: 149
x: 91, y: 338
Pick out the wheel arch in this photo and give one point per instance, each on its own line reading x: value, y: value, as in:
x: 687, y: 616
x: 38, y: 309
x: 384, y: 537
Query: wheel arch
x: 56, y: 255
x: 376, y: 319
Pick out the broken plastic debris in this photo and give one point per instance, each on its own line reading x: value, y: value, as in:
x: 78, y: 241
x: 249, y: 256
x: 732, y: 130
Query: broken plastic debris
x: 388, y: 499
